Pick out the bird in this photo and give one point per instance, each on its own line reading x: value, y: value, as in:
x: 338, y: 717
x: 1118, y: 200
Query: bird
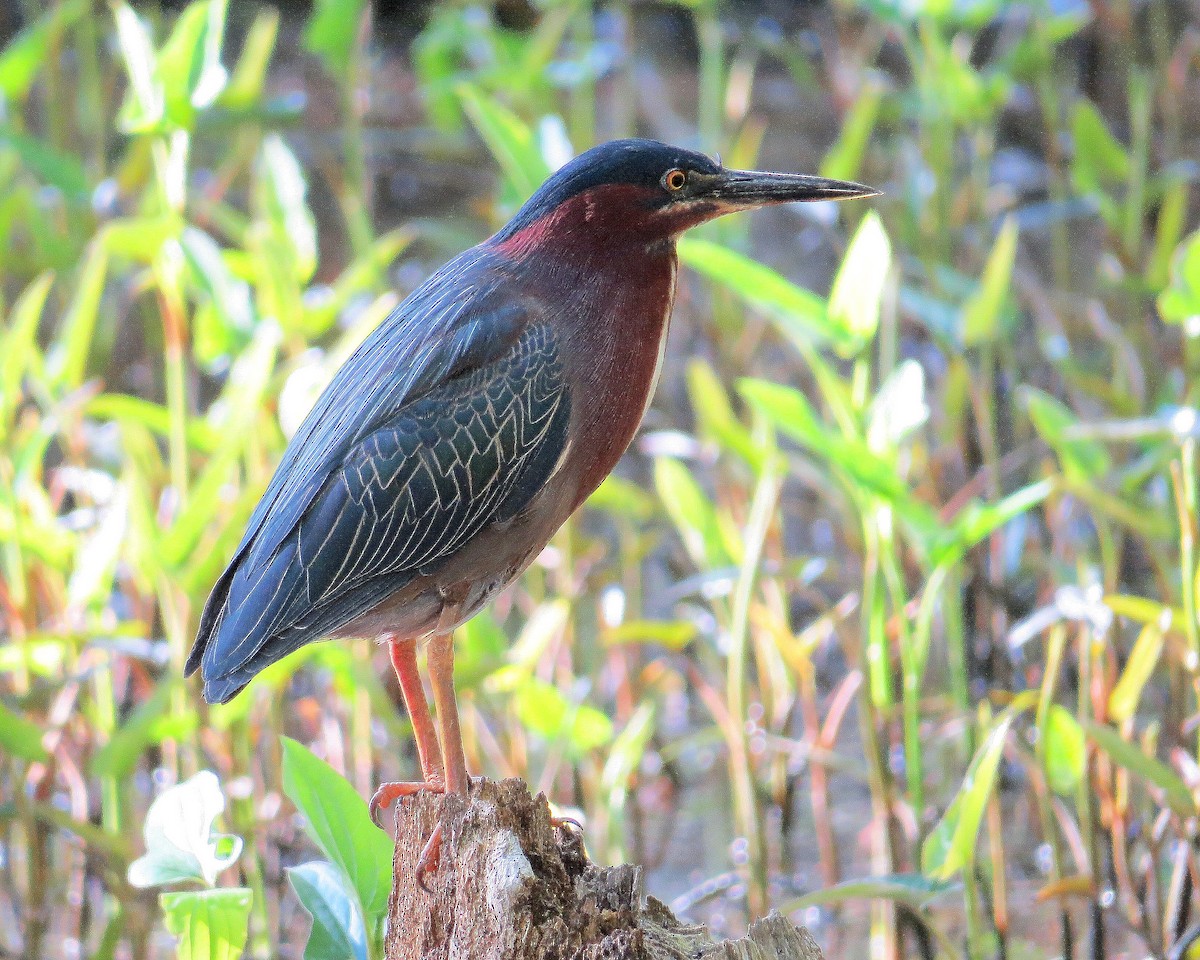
x: 467, y: 427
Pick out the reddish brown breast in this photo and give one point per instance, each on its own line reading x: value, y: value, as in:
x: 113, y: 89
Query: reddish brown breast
x: 616, y: 288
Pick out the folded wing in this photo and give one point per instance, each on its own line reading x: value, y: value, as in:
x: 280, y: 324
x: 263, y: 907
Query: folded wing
x: 405, y: 490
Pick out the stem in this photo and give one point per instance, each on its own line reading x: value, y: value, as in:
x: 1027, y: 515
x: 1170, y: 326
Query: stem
x: 762, y: 511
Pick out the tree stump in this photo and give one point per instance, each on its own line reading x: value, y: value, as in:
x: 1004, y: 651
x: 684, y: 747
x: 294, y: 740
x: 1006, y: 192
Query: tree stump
x: 512, y: 886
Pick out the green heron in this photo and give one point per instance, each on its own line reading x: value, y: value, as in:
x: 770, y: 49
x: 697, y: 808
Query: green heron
x: 468, y: 426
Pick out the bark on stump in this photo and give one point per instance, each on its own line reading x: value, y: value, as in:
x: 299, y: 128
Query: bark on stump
x: 512, y: 887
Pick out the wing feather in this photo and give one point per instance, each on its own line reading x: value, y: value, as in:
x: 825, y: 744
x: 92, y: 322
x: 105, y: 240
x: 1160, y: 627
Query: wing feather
x: 403, y: 496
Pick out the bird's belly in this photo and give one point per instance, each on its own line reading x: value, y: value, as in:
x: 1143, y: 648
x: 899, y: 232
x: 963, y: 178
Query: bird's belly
x: 455, y: 589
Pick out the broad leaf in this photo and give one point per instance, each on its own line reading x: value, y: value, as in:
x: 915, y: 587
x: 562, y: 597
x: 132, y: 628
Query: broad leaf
x: 338, y: 932
x: 180, y: 843
x: 210, y: 924
x: 337, y: 820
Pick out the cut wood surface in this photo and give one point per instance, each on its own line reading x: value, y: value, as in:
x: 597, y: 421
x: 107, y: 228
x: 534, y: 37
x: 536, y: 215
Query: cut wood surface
x: 513, y: 886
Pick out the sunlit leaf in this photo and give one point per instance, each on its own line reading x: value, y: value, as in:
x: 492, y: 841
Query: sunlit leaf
x: 982, y: 313
x: 331, y: 30
x: 209, y: 924
x: 1180, y: 302
x: 189, y: 64
x: 180, y: 842
x: 799, y: 314
x: 675, y: 634
x: 1065, y: 750
x: 511, y: 142
x: 1125, y: 696
x: 1081, y: 458
x: 1099, y: 157
x: 844, y: 160
x: 30, y: 50
x: 145, y: 101
x: 856, y: 299
x: 20, y: 737
x: 694, y: 515
x: 914, y: 889
x: 899, y: 408
x: 543, y: 709
x: 950, y: 846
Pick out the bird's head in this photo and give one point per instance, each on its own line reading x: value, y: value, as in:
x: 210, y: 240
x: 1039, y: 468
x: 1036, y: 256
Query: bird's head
x: 646, y: 192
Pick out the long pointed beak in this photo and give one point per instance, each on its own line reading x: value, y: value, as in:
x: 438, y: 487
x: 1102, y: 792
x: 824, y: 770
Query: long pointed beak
x: 752, y: 188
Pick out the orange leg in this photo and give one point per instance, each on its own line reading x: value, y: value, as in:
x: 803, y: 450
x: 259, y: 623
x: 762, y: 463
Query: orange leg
x: 404, y: 661
x: 441, y: 676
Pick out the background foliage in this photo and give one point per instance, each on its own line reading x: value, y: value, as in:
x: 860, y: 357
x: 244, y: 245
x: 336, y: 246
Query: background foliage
x: 889, y: 620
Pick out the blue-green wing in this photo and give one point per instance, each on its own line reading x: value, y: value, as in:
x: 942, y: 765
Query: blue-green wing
x: 403, y: 497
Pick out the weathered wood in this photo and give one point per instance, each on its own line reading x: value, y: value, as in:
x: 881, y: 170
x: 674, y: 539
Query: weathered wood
x: 512, y: 886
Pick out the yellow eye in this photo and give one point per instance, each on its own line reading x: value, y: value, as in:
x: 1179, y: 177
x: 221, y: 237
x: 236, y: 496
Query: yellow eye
x: 674, y: 180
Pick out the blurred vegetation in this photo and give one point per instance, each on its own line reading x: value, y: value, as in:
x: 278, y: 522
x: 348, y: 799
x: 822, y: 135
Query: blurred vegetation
x: 890, y: 619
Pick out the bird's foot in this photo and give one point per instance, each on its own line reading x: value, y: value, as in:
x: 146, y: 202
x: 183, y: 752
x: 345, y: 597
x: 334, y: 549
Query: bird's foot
x: 568, y: 824
x: 389, y: 793
x: 430, y: 858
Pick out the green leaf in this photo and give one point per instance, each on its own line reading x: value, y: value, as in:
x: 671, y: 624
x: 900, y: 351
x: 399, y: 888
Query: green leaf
x: 899, y: 408
x: 18, y: 343
x: 145, y: 101
x: 337, y: 820
x: 715, y: 416
x: 544, y: 710
x: 331, y: 32
x: 856, y: 299
x: 950, y: 847
x: 54, y: 167
x: 21, y: 737
x: 673, y: 634
x: 844, y: 160
x: 32, y: 48
x: 511, y: 142
x: 1127, y: 694
x: 338, y: 932
x: 1083, y: 459
x: 1180, y: 302
x: 480, y: 648
x: 180, y: 842
x: 1099, y: 159
x: 619, y: 496
x: 914, y: 889
x: 691, y: 511
x: 976, y: 520
x: 790, y: 410
x: 189, y: 64
x: 1137, y: 761
x: 800, y: 315
x: 245, y: 87
x: 210, y: 924
x: 281, y: 200
x: 981, y: 315
x: 1065, y: 750
x: 151, y: 722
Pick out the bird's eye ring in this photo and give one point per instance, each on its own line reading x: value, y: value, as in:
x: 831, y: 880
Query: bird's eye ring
x: 674, y: 180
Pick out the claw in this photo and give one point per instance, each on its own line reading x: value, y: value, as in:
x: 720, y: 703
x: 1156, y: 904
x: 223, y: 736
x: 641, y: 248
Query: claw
x: 431, y: 857
x: 565, y: 823
x: 389, y: 793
